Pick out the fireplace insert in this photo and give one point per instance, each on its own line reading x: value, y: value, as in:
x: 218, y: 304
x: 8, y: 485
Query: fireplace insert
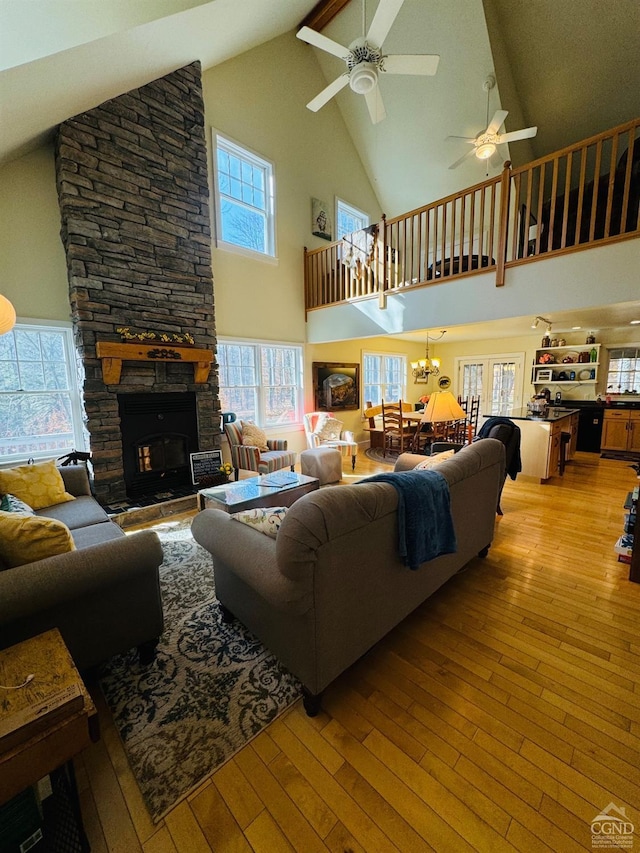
x: 159, y: 432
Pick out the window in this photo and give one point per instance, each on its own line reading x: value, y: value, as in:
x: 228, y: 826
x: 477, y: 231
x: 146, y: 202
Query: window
x: 349, y: 219
x: 624, y: 371
x: 261, y: 382
x: 244, y: 198
x: 495, y: 379
x: 384, y: 377
x: 40, y: 411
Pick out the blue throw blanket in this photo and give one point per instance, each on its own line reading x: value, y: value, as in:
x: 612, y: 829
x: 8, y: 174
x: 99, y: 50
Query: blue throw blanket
x: 425, y: 526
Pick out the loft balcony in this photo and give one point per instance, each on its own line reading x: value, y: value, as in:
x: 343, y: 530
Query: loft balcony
x: 583, y: 196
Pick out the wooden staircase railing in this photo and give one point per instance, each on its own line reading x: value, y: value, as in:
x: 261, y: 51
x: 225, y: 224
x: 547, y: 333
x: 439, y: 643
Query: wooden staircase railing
x: 583, y: 195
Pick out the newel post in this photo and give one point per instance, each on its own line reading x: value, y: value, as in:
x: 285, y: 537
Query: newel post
x: 381, y: 264
x: 503, y: 223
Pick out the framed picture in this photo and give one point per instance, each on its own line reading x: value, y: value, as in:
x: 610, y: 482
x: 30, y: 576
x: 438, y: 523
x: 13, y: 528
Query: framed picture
x: 336, y: 386
x: 321, y: 222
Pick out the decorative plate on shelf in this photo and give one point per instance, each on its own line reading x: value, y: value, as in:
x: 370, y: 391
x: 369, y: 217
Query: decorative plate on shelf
x: 570, y: 358
x: 583, y: 375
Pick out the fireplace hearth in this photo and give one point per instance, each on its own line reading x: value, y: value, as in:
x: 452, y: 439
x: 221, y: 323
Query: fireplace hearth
x: 159, y: 432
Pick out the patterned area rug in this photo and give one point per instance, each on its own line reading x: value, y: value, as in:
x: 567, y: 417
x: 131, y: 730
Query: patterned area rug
x: 376, y: 455
x: 211, y: 688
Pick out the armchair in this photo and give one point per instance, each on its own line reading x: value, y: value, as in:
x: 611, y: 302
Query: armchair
x: 251, y: 458
x: 318, y: 435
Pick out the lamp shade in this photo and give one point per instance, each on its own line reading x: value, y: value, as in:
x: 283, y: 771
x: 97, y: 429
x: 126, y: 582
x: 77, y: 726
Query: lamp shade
x: 7, y: 315
x: 442, y: 406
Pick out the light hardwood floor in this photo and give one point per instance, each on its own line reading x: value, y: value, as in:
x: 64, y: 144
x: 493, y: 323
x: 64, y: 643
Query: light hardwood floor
x: 503, y: 714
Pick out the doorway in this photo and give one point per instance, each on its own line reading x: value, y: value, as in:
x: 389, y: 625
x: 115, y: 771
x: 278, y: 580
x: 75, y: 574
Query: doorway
x: 496, y: 379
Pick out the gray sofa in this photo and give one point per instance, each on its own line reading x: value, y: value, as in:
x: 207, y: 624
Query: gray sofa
x: 104, y: 597
x: 332, y: 584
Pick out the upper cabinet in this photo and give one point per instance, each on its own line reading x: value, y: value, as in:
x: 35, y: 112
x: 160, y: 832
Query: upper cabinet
x: 567, y: 365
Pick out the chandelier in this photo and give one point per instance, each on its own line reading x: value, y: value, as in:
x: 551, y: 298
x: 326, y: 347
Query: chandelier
x: 426, y: 367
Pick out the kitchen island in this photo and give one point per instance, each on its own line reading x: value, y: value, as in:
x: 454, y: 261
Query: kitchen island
x: 541, y: 438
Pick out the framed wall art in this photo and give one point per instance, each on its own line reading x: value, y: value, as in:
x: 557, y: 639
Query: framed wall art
x: 336, y: 386
x: 321, y: 221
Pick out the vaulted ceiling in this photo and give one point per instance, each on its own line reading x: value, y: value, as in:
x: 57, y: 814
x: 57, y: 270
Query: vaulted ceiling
x: 568, y: 66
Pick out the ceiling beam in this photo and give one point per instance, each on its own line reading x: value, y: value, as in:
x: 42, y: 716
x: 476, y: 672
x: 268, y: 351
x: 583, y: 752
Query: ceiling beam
x: 323, y: 12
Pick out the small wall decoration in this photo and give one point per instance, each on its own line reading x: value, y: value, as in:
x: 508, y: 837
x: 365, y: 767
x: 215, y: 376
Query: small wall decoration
x: 336, y: 386
x: 321, y: 221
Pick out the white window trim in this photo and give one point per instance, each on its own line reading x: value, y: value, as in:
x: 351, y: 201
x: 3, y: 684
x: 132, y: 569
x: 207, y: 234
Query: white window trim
x: 277, y: 429
x: 519, y: 380
x: 77, y: 410
x: 272, y: 256
x: 402, y: 355
x: 353, y: 210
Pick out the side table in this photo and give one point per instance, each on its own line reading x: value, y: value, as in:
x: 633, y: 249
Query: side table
x: 33, y: 750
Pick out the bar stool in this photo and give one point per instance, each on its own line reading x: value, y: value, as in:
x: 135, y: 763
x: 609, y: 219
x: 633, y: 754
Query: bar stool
x: 565, y: 439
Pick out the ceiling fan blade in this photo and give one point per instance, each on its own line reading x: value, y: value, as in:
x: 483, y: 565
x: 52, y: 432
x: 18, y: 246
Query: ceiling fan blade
x: 318, y: 40
x: 332, y: 89
x: 525, y: 133
x: 496, y: 122
x: 463, y: 158
x: 470, y: 139
x: 375, y: 106
x: 383, y: 20
x: 411, y: 64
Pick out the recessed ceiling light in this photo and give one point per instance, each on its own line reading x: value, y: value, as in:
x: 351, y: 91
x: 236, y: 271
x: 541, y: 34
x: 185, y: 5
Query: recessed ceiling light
x: 576, y: 328
x: 634, y: 322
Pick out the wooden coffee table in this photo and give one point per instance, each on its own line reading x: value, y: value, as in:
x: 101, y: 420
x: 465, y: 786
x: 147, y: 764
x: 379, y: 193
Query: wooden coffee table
x: 278, y: 489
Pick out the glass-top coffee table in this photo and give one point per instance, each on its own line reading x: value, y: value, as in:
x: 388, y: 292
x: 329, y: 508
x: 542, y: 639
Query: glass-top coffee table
x: 281, y: 488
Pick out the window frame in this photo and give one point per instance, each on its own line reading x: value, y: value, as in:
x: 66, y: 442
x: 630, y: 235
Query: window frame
x: 260, y: 390
x: 610, y: 388
x: 383, y: 355
x: 80, y: 437
x: 221, y: 140
x: 351, y: 210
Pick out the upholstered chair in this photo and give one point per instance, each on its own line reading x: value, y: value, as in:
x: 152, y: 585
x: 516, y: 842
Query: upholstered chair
x: 249, y: 457
x: 323, y: 429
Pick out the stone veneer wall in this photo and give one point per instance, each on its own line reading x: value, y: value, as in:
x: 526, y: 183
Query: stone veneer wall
x: 134, y: 200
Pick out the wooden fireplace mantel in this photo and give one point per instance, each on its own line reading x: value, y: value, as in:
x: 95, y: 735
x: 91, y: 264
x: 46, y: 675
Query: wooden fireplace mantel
x: 113, y: 354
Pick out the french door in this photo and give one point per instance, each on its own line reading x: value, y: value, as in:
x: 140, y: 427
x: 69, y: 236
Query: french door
x: 496, y: 379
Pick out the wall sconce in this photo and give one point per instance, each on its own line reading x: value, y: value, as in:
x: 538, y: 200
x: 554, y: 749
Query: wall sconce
x: 7, y: 315
x: 426, y: 367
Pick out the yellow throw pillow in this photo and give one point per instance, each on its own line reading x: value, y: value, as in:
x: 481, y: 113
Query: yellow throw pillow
x: 26, y: 538
x: 254, y: 436
x: 38, y: 485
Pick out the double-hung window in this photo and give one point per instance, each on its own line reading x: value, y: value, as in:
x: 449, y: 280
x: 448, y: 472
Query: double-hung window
x: 623, y: 376
x: 384, y: 377
x: 245, y: 205
x: 349, y: 218
x: 40, y: 409
x: 261, y: 382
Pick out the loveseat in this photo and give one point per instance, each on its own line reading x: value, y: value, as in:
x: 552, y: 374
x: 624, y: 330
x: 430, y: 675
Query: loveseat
x: 104, y: 596
x: 331, y: 584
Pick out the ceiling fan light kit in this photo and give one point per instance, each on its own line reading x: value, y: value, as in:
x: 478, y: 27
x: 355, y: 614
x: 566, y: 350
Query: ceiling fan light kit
x: 365, y: 60
x: 485, y: 144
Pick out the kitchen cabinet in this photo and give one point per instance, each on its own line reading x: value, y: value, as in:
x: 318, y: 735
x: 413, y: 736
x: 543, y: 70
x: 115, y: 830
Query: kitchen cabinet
x: 621, y: 430
x: 548, y: 373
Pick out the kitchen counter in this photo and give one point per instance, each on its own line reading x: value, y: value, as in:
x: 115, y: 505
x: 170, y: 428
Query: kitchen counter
x: 541, y: 439
x: 555, y: 413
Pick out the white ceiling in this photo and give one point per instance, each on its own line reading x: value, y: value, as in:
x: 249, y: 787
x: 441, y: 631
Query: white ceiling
x: 570, y: 67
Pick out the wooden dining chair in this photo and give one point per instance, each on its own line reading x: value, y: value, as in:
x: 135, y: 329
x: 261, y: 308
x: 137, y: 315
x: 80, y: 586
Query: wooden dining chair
x: 398, y: 432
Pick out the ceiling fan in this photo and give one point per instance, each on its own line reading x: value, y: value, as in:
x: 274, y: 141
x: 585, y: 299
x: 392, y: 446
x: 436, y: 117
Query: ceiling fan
x: 486, y: 142
x: 365, y: 60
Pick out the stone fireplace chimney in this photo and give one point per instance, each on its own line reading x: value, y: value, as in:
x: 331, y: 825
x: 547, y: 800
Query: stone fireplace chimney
x: 134, y: 201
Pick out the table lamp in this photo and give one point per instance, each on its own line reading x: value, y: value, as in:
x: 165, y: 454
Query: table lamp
x: 442, y: 406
